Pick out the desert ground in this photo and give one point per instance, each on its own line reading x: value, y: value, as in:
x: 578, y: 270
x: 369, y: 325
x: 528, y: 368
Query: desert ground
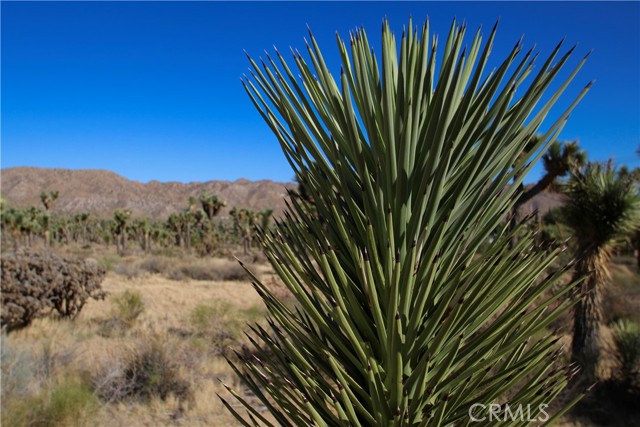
x: 153, y: 352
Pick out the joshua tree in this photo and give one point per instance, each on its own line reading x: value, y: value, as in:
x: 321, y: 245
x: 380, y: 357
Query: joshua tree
x: 244, y: 221
x: 558, y: 161
x: 12, y: 220
x: 601, y: 207
x: 174, y: 224
x: 188, y: 217
x: 265, y: 218
x: 120, y: 222
x: 399, y: 318
x: 82, y: 220
x: 47, y: 201
x: 211, y: 205
x: 142, y: 229
x: 33, y: 221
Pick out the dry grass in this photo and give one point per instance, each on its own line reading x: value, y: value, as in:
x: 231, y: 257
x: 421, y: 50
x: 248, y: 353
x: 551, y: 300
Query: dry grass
x: 196, y: 320
x: 79, y: 349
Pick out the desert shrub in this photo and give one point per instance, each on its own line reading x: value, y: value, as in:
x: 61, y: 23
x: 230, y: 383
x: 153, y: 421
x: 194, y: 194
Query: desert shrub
x: 147, y: 371
x: 207, y: 271
x: 34, y: 281
x: 68, y: 403
x: 193, y: 272
x: 128, y: 306
x: 109, y: 262
x: 128, y: 270
x: 154, y: 264
x: 216, y: 326
x: 233, y: 272
x: 626, y: 337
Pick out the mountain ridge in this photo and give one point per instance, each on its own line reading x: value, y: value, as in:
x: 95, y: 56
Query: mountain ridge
x: 100, y: 192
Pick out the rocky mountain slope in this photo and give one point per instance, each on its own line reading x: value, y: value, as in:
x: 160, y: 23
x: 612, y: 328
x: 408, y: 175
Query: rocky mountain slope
x: 100, y: 192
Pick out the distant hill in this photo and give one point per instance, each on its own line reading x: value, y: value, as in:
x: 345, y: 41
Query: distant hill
x: 100, y: 192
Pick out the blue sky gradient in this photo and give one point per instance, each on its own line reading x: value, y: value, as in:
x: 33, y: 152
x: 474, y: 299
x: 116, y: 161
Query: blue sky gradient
x: 151, y: 90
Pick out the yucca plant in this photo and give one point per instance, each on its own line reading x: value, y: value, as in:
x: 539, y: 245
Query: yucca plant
x: 398, y: 318
x: 602, y: 207
x: 626, y: 339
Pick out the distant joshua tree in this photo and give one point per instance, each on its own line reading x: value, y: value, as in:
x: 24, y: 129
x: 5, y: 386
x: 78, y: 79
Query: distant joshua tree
x: 47, y: 199
x: 211, y: 205
x: 244, y: 222
x: 82, y: 221
x: 120, y: 220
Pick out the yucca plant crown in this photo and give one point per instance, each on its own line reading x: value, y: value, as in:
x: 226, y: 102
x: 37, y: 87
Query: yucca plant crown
x: 603, y: 205
x: 399, y: 319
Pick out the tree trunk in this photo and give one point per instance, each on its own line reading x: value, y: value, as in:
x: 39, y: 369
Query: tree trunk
x: 587, y: 315
x: 47, y: 238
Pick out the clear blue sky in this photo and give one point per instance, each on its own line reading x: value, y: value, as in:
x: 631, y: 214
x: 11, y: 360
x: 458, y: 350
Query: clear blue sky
x: 152, y: 90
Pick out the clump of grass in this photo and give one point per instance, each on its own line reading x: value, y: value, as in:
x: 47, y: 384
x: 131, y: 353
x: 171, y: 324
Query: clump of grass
x: 109, y: 262
x: 68, y: 403
x: 147, y: 371
x: 216, y: 326
x: 126, y: 309
x: 128, y: 306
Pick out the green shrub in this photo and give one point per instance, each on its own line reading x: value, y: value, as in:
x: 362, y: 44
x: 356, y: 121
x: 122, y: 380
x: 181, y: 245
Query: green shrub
x: 216, y: 326
x: 626, y: 337
x: 109, y: 262
x: 69, y: 403
x: 128, y: 306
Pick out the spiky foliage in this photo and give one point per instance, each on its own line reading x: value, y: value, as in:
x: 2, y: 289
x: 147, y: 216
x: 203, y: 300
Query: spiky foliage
x: 626, y: 339
x: 399, y: 319
x: 602, y: 206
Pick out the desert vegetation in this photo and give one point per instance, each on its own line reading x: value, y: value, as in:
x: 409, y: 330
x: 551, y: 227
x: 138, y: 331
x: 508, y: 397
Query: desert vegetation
x: 194, y: 229
x: 401, y: 317
x: 402, y: 284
